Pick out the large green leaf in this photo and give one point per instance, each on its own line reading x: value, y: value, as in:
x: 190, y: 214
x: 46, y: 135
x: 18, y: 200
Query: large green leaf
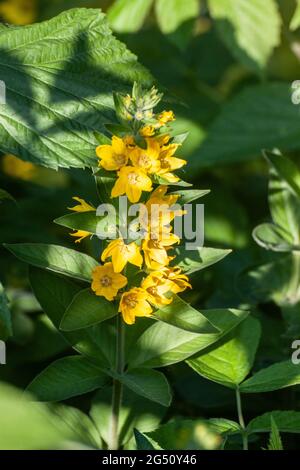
x: 251, y: 30
x: 59, y: 78
x: 55, y: 258
x: 162, y: 344
x: 148, y: 383
x: 281, y: 375
x: 229, y: 363
x: 5, y: 317
x: 87, y: 309
x: 179, y: 313
x: 287, y: 421
x: 249, y: 123
x: 191, y: 261
x: 55, y: 294
x: 128, y: 17
x: 66, y: 378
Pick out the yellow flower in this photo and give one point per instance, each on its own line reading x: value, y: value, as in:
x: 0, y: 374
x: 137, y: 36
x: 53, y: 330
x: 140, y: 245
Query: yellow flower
x: 83, y: 206
x: 155, y: 253
x: 131, y: 181
x: 134, y: 303
x: 168, y: 163
x: 164, y: 117
x: 81, y: 234
x: 147, y: 131
x: 121, y: 254
x: 177, y: 281
x: 147, y: 159
x: 106, y: 282
x: 16, y: 168
x: 113, y: 157
x: 156, y: 288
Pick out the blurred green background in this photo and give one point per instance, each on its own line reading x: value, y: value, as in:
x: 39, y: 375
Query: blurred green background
x: 229, y: 83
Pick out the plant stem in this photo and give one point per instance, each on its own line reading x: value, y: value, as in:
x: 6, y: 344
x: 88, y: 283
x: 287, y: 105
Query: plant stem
x: 241, y: 418
x: 117, y: 387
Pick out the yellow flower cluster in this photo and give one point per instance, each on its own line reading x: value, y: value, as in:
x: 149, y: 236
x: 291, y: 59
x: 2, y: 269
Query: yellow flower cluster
x: 137, y: 171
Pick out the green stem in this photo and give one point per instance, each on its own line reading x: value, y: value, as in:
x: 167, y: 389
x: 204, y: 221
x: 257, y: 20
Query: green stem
x: 241, y: 418
x: 117, y: 387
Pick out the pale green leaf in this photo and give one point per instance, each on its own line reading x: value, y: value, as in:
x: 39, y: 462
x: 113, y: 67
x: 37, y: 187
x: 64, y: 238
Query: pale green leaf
x: 128, y: 17
x: 273, y: 237
x: 295, y: 21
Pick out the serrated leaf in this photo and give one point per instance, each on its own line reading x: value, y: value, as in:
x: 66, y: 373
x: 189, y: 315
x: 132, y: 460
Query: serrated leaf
x: 230, y: 362
x: 162, y: 344
x: 128, y: 17
x: 55, y: 258
x: 87, y: 309
x: 191, y: 261
x: 281, y: 375
x: 58, y: 95
x: 251, y: 30
x: 286, y: 421
x: 65, y: 378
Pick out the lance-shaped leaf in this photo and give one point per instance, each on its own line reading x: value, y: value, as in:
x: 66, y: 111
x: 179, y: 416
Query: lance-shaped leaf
x: 179, y: 313
x: 101, y: 225
x: 55, y: 258
x: 281, y: 375
x: 87, y: 309
x: 163, y: 344
x: 229, y: 363
x: 287, y: 421
x: 59, y: 78
x: 189, y: 195
x: 191, y: 261
x: 66, y: 378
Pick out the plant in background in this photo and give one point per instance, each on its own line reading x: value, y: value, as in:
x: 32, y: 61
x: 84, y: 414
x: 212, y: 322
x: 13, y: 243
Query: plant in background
x: 129, y: 319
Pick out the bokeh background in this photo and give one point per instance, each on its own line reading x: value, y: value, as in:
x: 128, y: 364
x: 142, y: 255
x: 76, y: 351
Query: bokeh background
x: 234, y: 101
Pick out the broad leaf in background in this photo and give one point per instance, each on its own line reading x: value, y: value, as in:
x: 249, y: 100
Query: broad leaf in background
x: 55, y: 258
x: 87, y: 309
x: 251, y: 30
x: 150, y: 384
x: 186, y: 434
x: 59, y: 78
x: 136, y: 412
x: 295, y: 21
x: 249, y: 123
x: 5, y: 316
x: 128, y: 17
x: 176, y: 18
x: 281, y: 375
x: 273, y: 237
x: 229, y: 363
x: 286, y: 421
x: 286, y: 169
x: 162, y: 344
x: 66, y: 378
x: 191, y: 261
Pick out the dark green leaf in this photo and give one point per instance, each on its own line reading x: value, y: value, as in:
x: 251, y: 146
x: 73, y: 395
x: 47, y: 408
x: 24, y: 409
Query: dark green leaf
x: 281, y: 375
x: 191, y: 261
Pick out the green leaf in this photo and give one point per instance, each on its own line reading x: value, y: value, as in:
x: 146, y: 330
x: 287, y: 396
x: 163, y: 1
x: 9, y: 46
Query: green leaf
x: 128, y: 17
x: 182, y: 315
x: 295, y: 21
x: 55, y: 258
x: 5, y: 316
x: 162, y: 344
x: 176, y: 18
x: 66, y: 378
x: 150, y: 384
x: 142, y: 443
x: 191, y: 261
x: 87, y: 309
x: 135, y: 412
x: 230, y: 362
x: 55, y: 294
x: 281, y: 375
x: 186, y: 434
x: 58, y: 95
x: 251, y: 30
x: 224, y: 426
x: 249, y: 123
x: 275, y: 442
x: 5, y: 195
x: 16, y: 413
x: 90, y: 222
x: 286, y: 421
x: 189, y: 195
x: 286, y: 169
x: 272, y: 237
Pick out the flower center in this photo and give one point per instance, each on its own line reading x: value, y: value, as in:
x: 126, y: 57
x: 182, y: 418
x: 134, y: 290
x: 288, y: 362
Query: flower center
x: 152, y: 290
x: 164, y: 163
x: 120, y: 159
x: 130, y: 301
x: 133, y: 178
x: 106, y: 281
x: 144, y: 160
